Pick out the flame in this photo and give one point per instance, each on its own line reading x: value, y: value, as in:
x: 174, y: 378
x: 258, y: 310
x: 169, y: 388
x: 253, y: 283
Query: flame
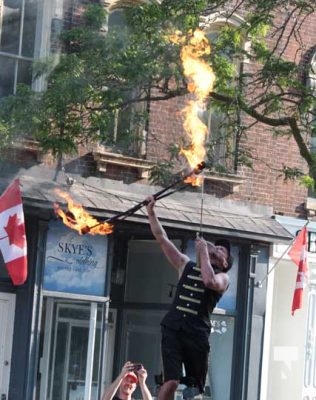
x: 77, y: 218
x: 200, y: 83
x: 201, y: 79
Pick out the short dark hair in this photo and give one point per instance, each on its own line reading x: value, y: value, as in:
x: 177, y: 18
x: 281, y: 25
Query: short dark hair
x: 226, y: 243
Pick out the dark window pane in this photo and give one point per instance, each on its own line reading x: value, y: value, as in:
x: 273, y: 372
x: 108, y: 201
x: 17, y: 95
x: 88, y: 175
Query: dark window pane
x: 7, y: 67
x: 157, y: 287
x: 116, y: 19
x: 11, y: 26
x: 59, y: 359
x: 3, y: 270
x: 29, y: 28
x: 24, y: 72
x: 11, y: 22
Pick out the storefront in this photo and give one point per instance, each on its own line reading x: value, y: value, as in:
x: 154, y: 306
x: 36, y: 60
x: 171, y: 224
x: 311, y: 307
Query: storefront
x: 66, y: 340
x: 73, y: 311
x: 92, y: 302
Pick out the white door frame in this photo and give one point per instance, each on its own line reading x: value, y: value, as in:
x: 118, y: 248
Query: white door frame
x: 46, y: 367
x: 309, y: 390
x: 7, y: 314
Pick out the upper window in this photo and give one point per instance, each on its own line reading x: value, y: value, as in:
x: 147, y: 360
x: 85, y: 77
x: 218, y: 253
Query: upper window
x: 29, y: 30
x: 18, y: 29
x: 311, y: 80
x: 126, y: 132
x: 222, y: 135
x: 311, y: 84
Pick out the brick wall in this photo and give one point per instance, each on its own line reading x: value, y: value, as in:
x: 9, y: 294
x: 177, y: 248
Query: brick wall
x: 263, y: 184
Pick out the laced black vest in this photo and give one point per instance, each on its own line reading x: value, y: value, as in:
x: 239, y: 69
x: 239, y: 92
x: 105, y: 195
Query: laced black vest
x: 193, y: 302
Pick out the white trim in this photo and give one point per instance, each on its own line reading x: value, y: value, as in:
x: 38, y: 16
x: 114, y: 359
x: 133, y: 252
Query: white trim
x: 109, y: 346
x: 7, y: 310
x: 74, y: 296
x: 220, y: 19
x: 214, y: 21
x: 275, y: 372
x: 267, y: 336
x: 90, y: 350
x: 44, y: 361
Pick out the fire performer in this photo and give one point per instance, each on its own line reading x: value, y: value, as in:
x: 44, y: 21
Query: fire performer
x: 186, y: 326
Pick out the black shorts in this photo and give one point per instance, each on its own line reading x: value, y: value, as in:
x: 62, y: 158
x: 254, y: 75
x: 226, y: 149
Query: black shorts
x: 179, y: 348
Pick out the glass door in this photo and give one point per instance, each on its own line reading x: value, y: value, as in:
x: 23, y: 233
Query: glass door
x: 71, y: 350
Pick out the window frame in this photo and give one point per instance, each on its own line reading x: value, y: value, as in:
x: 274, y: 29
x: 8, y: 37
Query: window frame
x: 127, y: 116
x: 46, y: 12
x: 223, y: 162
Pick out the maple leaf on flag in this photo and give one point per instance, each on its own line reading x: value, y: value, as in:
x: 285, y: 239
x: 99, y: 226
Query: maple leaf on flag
x: 13, y: 243
x: 15, y: 231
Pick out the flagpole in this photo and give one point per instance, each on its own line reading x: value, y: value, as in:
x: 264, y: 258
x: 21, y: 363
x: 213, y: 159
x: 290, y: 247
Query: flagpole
x: 259, y: 283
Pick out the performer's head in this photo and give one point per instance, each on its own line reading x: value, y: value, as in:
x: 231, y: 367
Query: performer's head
x: 223, y: 250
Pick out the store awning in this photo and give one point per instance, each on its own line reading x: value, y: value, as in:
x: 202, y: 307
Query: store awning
x: 105, y: 198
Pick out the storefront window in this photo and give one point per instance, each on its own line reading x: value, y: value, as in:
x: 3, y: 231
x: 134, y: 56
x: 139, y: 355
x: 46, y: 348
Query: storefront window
x: 220, y: 359
x: 71, y: 355
x: 150, y: 279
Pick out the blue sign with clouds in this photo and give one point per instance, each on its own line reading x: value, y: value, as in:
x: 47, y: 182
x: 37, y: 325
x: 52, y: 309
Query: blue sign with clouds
x: 75, y: 263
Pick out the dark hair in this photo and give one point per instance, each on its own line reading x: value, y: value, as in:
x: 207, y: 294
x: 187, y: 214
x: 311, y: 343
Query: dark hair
x: 226, y: 243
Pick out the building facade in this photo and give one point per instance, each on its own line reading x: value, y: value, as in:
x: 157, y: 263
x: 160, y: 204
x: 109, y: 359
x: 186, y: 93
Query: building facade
x: 91, y: 302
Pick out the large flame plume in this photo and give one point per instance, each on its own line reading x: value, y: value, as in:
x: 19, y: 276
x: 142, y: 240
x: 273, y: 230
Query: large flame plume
x: 77, y: 218
x: 201, y: 79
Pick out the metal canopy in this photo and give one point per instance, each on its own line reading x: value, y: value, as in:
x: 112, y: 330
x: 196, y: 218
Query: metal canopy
x: 105, y: 198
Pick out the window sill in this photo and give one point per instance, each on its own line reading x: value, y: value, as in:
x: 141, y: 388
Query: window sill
x: 26, y: 144
x: 30, y: 146
x: 112, y: 5
x: 310, y: 207
x: 105, y: 158
x: 231, y: 179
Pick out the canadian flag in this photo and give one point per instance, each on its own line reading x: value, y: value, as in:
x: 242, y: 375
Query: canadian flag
x: 13, y: 244
x: 298, y: 254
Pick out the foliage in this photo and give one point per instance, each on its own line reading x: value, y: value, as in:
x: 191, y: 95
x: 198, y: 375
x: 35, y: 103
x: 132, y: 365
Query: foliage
x: 101, y: 73
x: 161, y: 173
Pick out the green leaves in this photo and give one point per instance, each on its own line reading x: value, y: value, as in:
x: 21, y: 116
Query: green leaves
x: 104, y: 71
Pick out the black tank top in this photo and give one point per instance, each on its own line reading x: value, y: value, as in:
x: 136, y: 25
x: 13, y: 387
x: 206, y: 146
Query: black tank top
x: 193, y: 302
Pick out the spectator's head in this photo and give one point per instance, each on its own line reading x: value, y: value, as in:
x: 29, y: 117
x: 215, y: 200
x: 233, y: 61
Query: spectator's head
x: 128, y: 386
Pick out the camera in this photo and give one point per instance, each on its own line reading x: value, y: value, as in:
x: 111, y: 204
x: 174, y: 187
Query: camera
x: 137, y: 367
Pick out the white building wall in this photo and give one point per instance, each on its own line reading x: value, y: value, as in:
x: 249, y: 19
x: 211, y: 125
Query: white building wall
x: 285, y: 350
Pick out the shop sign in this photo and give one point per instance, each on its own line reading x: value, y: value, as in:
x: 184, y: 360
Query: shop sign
x: 74, y: 263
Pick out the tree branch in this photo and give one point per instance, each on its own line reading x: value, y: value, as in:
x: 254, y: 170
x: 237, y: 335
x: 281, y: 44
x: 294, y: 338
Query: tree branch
x: 251, y: 111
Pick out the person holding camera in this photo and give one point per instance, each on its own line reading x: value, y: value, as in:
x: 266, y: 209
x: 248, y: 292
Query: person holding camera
x: 125, y: 384
x: 186, y: 327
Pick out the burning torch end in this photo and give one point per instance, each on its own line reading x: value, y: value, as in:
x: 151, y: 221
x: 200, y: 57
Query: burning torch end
x: 104, y: 228
x: 198, y: 169
x: 85, y: 230
x: 187, y: 172
x: 70, y: 217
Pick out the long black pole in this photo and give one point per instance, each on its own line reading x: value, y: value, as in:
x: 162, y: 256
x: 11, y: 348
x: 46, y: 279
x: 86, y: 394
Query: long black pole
x: 158, y: 195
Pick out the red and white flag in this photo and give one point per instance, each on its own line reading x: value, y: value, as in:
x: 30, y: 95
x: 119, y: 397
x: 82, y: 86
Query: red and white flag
x: 298, y: 254
x: 12, y: 233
